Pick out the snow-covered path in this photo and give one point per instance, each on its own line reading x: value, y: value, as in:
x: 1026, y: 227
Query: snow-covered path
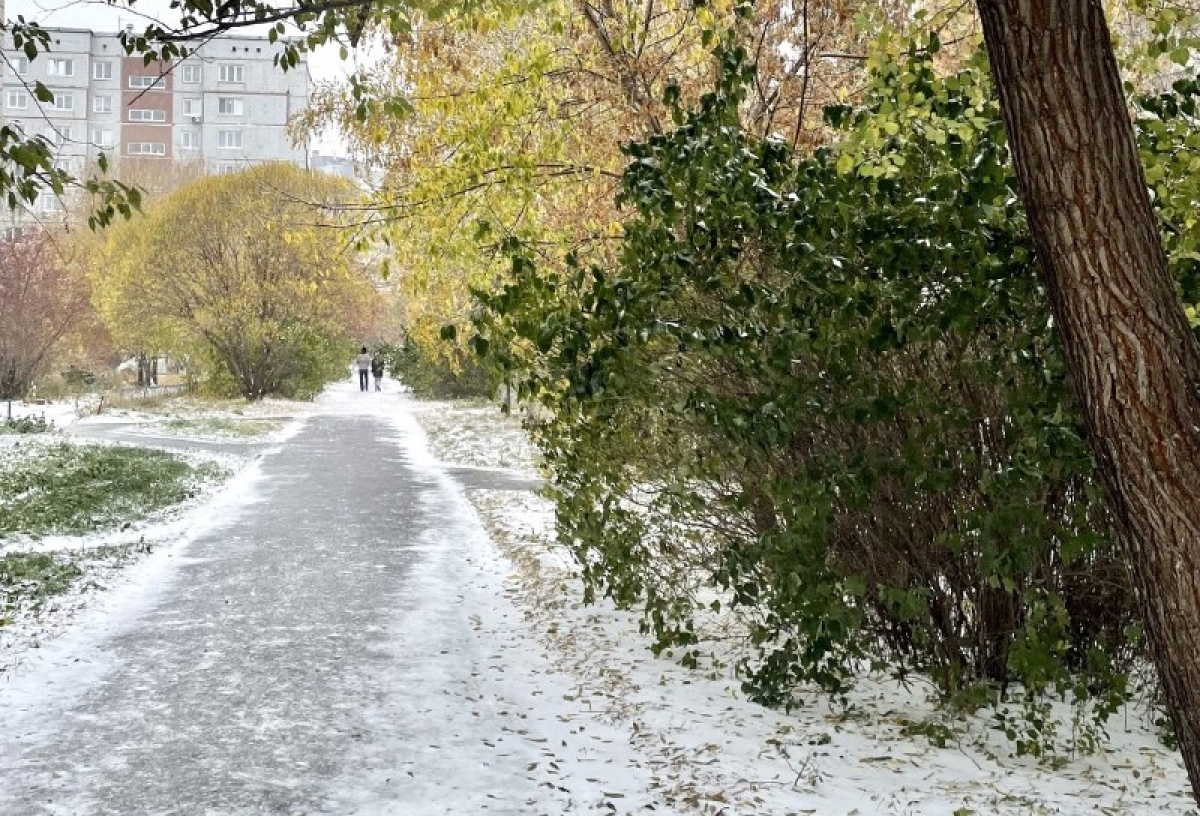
x: 332, y: 639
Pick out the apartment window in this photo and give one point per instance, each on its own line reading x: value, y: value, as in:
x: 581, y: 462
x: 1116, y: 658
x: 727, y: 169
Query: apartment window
x: 225, y: 168
x: 231, y: 72
x: 20, y: 65
x: 189, y: 140
x: 101, y: 103
x: 229, y: 139
x: 140, y: 115
x: 102, y: 69
x: 142, y: 81
x: 102, y: 137
x: 63, y: 101
x: 147, y: 149
x: 191, y: 107
x: 191, y: 74
x: 59, y: 67
x: 17, y: 100
x: 230, y: 106
x: 59, y: 135
x: 48, y: 202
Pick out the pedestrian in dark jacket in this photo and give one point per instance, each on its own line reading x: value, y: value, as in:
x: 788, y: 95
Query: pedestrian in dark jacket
x: 377, y: 370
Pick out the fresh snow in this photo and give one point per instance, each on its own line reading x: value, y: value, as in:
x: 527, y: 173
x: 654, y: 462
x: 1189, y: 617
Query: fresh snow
x: 517, y: 687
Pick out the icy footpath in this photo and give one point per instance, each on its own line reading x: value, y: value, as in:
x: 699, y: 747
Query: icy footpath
x: 333, y: 638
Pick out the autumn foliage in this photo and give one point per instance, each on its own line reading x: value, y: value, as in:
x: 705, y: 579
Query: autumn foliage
x: 252, y: 277
x: 41, y: 300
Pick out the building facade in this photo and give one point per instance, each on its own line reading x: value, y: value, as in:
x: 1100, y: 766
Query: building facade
x: 225, y: 106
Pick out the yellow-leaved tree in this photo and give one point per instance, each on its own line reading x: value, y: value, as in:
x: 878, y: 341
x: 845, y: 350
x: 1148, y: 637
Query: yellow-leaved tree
x: 252, y: 276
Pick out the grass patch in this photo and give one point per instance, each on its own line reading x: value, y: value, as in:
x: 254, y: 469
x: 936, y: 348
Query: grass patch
x: 28, y: 579
x: 30, y: 582
x: 70, y: 489
x: 26, y: 425
x: 221, y: 427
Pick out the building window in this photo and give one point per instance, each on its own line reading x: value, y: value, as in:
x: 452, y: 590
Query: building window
x: 230, y: 106
x: 142, y: 81
x: 191, y: 107
x: 146, y: 149
x: 139, y: 115
x: 191, y: 74
x: 101, y: 103
x: 20, y: 65
x: 231, y: 72
x: 63, y: 101
x: 48, y: 202
x: 102, y: 137
x: 102, y: 69
x: 189, y: 140
x: 60, y: 67
x: 229, y: 139
x: 17, y: 100
x: 59, y: 135
x: 224, y: 168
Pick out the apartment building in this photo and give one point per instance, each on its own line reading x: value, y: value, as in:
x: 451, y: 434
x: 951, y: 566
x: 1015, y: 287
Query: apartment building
x: 225, y: 106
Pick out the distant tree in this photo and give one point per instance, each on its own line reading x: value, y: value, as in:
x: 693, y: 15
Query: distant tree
x: 254, y: 272
x: 41, y: 300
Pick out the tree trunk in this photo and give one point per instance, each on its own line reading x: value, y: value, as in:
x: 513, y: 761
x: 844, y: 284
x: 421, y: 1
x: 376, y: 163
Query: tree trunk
x: 1131, y: 357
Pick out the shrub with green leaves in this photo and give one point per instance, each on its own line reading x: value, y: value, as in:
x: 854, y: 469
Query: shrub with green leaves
x: 68, y: 489
x: 26, y: 425
x: 433, y: 376
x: 825, y: 391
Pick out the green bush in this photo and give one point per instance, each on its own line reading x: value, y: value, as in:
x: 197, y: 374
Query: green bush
x: 825, y: 391
x: 433, y: 376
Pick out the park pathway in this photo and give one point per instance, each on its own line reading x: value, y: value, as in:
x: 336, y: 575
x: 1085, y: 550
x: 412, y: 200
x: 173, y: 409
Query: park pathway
x: 317, y: 647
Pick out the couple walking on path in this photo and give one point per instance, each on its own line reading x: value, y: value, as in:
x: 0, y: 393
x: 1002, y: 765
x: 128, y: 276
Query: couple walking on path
x: 365, y: 363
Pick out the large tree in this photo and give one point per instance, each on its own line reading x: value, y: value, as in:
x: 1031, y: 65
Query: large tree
x: 1131, y: 355
x: 41, y: 300
x: 255, y: 271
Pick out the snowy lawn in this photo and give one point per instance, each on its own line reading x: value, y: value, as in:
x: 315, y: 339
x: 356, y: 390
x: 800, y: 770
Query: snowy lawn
x: 53, y: 486
x: 884, y: 749
x: 188, y: 417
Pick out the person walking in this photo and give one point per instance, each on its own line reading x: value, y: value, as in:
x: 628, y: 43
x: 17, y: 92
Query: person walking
x: 363, y: 361
x: 377, y: 370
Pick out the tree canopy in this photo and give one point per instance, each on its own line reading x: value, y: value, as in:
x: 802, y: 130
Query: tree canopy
x: 255, y: 273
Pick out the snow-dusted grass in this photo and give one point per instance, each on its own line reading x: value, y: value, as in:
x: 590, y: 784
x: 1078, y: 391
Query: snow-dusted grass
x: 222, y: 427
x: 32, y: 583
x: 191, y: 418
x: 885, y: 748
x: 475, y: 434
x: 52, y: 486
x: 25, y: 425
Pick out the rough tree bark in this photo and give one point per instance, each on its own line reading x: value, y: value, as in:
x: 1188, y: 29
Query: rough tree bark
x: 1131, y: 356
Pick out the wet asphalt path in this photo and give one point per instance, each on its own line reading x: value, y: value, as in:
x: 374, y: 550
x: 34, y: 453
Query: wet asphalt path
x: 241, y: 687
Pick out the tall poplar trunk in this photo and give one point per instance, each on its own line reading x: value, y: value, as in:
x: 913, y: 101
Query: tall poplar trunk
x: 1130, y: 353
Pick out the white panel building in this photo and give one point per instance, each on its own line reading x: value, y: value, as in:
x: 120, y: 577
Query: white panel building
x: 226, y: 106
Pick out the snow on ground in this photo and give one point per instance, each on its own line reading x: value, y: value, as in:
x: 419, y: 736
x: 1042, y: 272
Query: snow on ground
x: 631, y: 733
x: 712, y: 751
x: 105, y: 559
